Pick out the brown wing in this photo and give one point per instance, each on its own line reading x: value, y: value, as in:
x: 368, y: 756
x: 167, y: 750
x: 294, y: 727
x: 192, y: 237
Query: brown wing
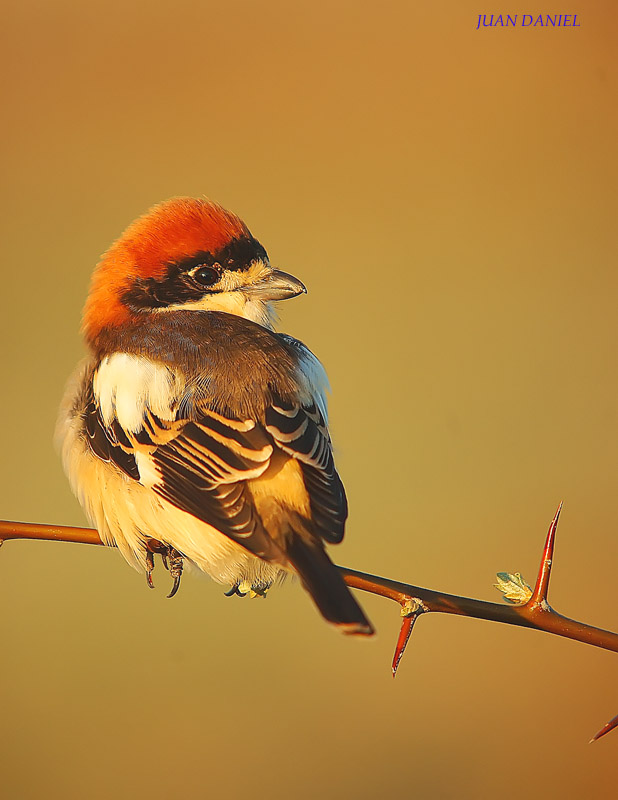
x: 201, y: 465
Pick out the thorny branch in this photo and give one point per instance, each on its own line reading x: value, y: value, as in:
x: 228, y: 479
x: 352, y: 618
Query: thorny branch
x: 532, y: 612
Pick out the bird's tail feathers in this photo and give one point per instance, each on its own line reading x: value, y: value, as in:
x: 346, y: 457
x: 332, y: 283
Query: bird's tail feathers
x: 324, y: 582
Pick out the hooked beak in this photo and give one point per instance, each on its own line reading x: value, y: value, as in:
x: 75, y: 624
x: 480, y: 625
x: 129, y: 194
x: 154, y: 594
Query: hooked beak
x: 277, y: 286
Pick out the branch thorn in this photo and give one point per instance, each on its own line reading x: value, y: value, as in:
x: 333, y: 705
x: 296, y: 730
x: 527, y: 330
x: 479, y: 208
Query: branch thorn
x: 609, y: 726
x: 539, y: 596
x: 410, y: 611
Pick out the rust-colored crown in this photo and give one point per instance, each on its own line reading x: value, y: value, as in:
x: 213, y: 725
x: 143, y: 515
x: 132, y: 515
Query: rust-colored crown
x: 169, y: 231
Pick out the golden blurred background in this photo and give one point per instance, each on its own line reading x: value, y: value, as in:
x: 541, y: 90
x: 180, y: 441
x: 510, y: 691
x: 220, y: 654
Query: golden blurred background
x: 448, y: 196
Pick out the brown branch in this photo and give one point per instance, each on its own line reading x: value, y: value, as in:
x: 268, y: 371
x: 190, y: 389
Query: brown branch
x: 535, y: 613
x: 414, y: 600
x: 52, y: 533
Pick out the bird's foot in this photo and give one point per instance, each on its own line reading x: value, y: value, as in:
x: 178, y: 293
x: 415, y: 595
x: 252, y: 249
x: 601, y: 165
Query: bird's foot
x: 149, y: 568
x: 235, y: 590
x: 172, y: 561
x: 244, y: 588
x: 176, y: 565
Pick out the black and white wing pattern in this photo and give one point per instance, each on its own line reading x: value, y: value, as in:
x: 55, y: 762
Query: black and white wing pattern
x: 199, y: 465
x: 301, y: 432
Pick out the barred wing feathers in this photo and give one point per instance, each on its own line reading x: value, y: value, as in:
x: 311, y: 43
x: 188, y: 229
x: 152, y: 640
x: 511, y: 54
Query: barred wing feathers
x: 300, y: 431
x: 203, y: 467
x: 199, y: 466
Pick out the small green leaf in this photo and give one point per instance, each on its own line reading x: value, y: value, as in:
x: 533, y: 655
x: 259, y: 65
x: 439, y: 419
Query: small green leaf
x: 513, y: 587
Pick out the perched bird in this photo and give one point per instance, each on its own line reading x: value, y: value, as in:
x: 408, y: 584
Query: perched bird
x: 193, y: 429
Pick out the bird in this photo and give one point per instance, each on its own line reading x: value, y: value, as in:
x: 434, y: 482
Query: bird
x: 192, y: 428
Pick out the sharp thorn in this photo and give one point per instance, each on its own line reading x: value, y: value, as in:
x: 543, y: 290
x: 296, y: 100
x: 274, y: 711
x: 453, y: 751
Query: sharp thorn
x: 539, y: 596
x: 609, y: 726
x: 402, y: 642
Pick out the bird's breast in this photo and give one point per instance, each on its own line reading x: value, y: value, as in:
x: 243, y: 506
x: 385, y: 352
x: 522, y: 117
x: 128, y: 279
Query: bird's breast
x: 126, y: 385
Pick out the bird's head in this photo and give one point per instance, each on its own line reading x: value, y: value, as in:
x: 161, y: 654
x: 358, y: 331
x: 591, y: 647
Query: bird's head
x: 184, y: 254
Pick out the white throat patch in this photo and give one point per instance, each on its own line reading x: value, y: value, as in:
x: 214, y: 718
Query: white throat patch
x: 234, y: 302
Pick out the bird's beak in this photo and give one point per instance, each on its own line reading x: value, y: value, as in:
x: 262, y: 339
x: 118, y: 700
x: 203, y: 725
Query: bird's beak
x: 277, y: 286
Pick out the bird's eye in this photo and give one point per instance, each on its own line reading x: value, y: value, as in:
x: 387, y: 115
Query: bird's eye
x: 206, y: 276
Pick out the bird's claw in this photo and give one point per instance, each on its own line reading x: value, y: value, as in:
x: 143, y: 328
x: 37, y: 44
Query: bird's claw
x: 176, y: 565
x: 172, y: 561
x: 149, y: 568
x: 235, y: 590
x: 244, y: 588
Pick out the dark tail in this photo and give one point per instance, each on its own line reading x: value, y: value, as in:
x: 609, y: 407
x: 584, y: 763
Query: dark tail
x: 323, y: 581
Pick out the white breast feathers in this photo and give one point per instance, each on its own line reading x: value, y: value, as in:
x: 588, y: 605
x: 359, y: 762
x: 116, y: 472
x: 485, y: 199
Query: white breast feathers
x: 126, y: 385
